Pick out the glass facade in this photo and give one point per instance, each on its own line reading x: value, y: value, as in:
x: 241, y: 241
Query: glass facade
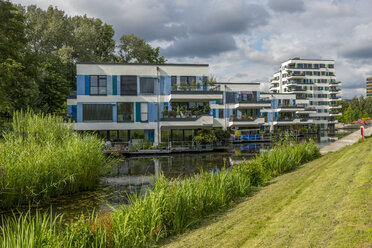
x: 125, y: 112
x: 97, y: 112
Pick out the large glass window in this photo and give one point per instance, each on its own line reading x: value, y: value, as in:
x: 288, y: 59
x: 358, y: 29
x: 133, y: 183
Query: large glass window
x: 123, y: 135
x: 128, y: 85
x: 125, y: 112
x: 174, y: 82
x: 187, y: 80
x: 230, y: 97
x: 137, y: 134
x: 165, y: 135
x: 98, y: 85
x: 146, y: 85
x: 97, y: 112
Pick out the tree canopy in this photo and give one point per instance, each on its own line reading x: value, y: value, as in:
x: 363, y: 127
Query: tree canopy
x: 356, y: 109
x: 39, y: 50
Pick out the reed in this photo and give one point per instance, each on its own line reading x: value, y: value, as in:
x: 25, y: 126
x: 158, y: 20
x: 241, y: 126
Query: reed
x: 175, y: 205
x: 172, y: 206
x: 42, y: 157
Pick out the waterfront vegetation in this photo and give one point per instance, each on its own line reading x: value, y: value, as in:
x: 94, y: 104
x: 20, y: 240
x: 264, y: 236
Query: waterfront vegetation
x: 325, y: 203
x: 42, y: 157
x: 171, y: 207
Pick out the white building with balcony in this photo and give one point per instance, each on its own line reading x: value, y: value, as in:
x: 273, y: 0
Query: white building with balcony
x: 313, y: 81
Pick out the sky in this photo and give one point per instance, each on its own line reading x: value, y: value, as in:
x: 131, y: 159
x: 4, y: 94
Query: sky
x: 244, y: 40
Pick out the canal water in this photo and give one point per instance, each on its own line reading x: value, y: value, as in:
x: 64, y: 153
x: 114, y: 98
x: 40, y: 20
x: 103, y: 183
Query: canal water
x: 135, y: 175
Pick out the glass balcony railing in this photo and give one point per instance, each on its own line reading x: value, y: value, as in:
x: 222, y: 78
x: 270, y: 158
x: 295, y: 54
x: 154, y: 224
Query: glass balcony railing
x: 252, y: 100
x: 195, y: 89
x: 243, y: 118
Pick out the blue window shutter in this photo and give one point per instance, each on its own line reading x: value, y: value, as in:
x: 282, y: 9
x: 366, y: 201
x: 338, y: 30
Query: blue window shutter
x: 86, y: 85
x: 114, y: 85
x: 138, y: 112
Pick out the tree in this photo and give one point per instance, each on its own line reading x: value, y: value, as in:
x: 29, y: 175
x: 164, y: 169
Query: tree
x: 59, y: 41
x: 133, y: 49
x: 93, y: 40
x: 54, y: 87
x: 18, y: 89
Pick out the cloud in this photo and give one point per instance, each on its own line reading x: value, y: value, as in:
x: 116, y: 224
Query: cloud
x: 229, y: 17
x: 244, y: 40
x: 360, y: 51
x: 200, y: 46
x: 289, y: 6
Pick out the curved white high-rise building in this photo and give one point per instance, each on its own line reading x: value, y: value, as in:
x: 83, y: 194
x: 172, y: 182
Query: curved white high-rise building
x: 314, y: 82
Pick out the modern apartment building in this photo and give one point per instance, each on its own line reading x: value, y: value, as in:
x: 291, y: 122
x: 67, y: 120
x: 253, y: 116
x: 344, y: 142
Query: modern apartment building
x: 369, y: 86
x: 160, y: 102
x: 286, y: 112
x: 313, y: 82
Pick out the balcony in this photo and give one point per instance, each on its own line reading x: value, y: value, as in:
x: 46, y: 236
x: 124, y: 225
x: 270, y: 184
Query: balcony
x: 248, y: 121
x: 252, y: 103
x: 335, y: 106
x: 196, y: 93
x: 307, y: 110
x: 290, y: 108
x: 295, y: 76
x: 190, y: 122
x: 334, y: 98
x: 287, y: 121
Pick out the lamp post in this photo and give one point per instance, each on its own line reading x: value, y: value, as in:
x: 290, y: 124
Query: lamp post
x: 158, y: 103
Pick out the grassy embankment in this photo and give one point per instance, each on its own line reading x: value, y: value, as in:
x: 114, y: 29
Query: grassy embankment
x: 41, y: 158
x: 170, y: 208
x: 325, y: 203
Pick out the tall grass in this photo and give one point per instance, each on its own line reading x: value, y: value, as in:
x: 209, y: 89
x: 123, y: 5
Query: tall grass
x: 43, y: 157
x: 175, y: 205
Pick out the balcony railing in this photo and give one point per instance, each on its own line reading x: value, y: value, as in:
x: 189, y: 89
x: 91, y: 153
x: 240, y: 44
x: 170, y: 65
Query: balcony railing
x: 253, y: 100
x: 182, y: 115
x: 183, y: 118
x: 290, y: 106
x: 187, y: 89
x: 244, y: 118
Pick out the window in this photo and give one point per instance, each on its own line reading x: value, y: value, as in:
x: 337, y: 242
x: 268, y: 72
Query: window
x: 97, y: 112
x: 187, y: 80
x: 98, y: 85
x: 128, y: 85
x: 146, y: 85
x: 173, y: 81
x: 123, y: 135
x: 220, y: 113
x: 331, y: 66
x: 125, y: 112
x: 230, y: 97
x: 144, y: 111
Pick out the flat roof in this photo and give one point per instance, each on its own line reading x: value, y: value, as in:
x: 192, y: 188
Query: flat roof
x: 110, y: 63
x: 238, y: 83
x: 289, y: 94
x: 309, y: 59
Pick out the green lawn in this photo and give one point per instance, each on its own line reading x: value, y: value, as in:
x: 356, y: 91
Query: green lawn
x: 324, y: 203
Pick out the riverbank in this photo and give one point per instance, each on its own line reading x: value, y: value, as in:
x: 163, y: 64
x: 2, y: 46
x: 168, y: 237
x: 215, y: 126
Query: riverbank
x: 170, y: 208
x: 324, y: 203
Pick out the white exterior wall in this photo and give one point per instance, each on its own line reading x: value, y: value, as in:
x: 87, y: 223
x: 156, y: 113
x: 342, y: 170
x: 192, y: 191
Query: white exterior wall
x: 141, y: 70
